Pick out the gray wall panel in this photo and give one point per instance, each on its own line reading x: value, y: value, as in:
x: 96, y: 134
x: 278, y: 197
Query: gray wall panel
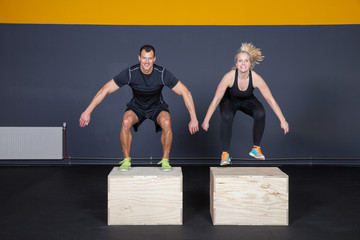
x: 49, y: 74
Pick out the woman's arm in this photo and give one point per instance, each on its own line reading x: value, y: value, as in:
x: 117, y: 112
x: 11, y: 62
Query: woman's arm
x: 226, y: 81
x: 259, y: 83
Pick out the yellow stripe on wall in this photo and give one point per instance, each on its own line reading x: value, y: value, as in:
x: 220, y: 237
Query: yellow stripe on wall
x: 184, y: 12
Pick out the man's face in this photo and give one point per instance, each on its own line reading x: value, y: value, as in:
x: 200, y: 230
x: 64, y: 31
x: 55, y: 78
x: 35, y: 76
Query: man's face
x: 147, y: 60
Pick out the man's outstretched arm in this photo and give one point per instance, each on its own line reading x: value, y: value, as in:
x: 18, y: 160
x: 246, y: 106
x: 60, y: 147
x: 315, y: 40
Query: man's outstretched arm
x: 181, y: 90
x: 108, y: 88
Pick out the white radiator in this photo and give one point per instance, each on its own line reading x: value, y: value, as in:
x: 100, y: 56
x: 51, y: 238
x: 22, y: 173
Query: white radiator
x: 31, y: 142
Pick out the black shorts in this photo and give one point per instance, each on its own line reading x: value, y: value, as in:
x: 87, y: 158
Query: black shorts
x: 151, y: 113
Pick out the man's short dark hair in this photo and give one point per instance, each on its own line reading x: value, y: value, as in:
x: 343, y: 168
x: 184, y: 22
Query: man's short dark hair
x: 147, y: 48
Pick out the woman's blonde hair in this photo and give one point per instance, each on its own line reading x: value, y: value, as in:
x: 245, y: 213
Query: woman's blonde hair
x: 252, y: 51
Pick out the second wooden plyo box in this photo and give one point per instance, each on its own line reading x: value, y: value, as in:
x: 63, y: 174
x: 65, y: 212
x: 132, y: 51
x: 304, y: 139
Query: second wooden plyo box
x: 248, y: 196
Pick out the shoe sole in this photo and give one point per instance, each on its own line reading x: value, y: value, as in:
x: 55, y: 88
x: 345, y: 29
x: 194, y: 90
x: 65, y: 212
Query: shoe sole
x: 124, y: 170
x: 225, y: 163
x: 254, y: 156
x: 166, y: 169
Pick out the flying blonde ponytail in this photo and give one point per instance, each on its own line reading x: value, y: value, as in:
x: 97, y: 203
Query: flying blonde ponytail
x: 254, y: 53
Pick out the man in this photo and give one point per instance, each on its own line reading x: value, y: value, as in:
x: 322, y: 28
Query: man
x: 146, y: 81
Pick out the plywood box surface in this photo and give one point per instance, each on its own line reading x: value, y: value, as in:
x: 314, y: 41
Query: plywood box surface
x: 248, y: 196
x: 145, y: 196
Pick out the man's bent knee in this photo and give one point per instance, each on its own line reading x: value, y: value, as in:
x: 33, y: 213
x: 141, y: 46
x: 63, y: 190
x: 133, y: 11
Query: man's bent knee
x: 164, y: 121
x: 126, y: 124
x: 166, y: 124
x: 129, y: 120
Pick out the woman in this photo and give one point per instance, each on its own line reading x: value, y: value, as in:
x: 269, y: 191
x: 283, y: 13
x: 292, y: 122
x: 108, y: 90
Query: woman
x: 235, y: 92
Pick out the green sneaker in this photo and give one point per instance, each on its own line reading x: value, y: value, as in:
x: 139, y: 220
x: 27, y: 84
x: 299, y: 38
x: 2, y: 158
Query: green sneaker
x: 165, y: 166
x: 125, y: 164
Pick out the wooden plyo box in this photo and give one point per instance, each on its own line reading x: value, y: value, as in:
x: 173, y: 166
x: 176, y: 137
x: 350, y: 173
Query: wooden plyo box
x: 145, y: 196
x: 249, y: 196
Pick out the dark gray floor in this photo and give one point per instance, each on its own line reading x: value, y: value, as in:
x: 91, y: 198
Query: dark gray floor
x: 71, y: 203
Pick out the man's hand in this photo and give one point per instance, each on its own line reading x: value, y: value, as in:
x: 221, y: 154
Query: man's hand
x: 84, y: 119
x: 193, y: 126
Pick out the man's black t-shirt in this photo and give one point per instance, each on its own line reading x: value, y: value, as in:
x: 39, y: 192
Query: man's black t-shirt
x: 146, y: 87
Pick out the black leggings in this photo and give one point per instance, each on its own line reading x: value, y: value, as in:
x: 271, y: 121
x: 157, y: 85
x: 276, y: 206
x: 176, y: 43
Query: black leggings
x: 252, y: 107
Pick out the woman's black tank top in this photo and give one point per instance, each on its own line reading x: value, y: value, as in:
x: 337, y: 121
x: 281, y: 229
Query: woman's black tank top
x: 235, y: 92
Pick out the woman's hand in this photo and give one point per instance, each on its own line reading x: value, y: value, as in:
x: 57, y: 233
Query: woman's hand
x: 205, y: 125
x: 284, y: 125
